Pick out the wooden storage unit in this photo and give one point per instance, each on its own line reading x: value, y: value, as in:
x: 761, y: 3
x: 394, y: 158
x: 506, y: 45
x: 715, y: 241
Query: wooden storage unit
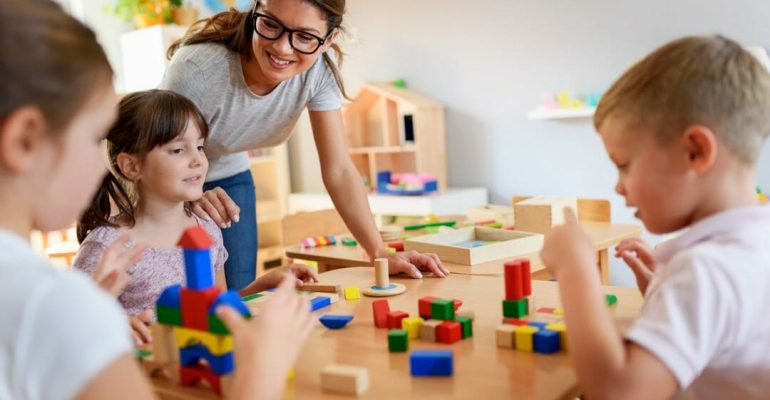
x: 395, y: 129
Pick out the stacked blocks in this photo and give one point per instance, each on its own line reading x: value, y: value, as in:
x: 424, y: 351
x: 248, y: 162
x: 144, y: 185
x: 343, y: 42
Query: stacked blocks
x: 518, y: 285
x: 318, y: 241
x: 444, y: 326
x: 204, y: 344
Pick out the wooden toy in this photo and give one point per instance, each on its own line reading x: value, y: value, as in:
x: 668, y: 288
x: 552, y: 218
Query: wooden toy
x: 424, y: 306
x: 335, y: 321
x: 412, y: 326
x: 428, y: 330
x: 467, y: 326
x: 380, y: 311
x: 398, y: 340
x: 562, y: 329
x: 475, y: 245
x: 195, y: 306
x: 431, y: 363
x: 346, y: 379
x: 442, y: 309
x: 383, y: 287
x: 216, y: 344
x: 538, y: 214
x: 611, y: 299
x: 320, y: 287
x: 352, y: 293
x: 395, y: 318
x: 538, y: 324
x: 524, y: 339
x: 389, y: 233
x: 516, y: 308
x: 545, y: 341
x: 319, y: 302
x: 450, y: 224
x: 406, y: 184
x: 190, y: 375
x: 170, y: 297
x: 219, y: 364
x: 515, y: 322
x: 545, y: 310
x: 398, y: 246
x: 349, y: 242
x: 318, y: 241
x: 505, y: 336
x: 449, y: 332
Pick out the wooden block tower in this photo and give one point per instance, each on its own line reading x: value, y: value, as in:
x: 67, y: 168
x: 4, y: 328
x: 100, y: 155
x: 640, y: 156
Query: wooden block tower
x: 190, y: 333
x: 518, y: 288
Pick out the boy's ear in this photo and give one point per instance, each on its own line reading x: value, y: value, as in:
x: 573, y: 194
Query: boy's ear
x: 701, y: 144
x: 21, y: 133
x: 129, y: 166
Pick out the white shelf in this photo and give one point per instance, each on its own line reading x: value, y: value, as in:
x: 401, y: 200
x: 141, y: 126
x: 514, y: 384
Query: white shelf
x: 561, y: 113
x: 452, y: 201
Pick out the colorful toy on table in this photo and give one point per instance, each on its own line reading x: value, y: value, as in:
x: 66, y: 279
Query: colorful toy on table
x: 567, y: 100
x: 188, y: 331
x: 761, y: 196
x: 430, y: 225
x: 405, y: 184
x: 318, y: 241
x: 335, y: 321
x: 383, y: 286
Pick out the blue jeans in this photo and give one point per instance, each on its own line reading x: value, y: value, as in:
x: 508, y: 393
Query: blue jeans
x: 241, y: 238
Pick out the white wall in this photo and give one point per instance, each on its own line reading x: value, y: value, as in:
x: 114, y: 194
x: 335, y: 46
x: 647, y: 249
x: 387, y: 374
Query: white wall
x: 488, y: 61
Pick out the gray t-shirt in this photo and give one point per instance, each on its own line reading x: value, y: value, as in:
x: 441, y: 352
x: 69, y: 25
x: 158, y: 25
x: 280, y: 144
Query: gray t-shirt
x: 212, y: 77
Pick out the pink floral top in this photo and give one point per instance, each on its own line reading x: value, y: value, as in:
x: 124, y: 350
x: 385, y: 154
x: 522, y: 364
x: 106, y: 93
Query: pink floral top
x: 158, y: 268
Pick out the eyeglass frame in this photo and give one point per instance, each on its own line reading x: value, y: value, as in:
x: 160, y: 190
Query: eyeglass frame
x: 284, y: 29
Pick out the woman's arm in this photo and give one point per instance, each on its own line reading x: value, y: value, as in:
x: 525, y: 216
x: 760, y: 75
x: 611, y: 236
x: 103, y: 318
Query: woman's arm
x: 349, y: 196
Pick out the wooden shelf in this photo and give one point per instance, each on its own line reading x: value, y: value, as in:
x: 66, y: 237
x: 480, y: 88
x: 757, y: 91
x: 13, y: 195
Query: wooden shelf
x: 561, y: 113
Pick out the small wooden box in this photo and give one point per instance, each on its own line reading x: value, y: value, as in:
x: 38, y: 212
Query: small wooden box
x: 540, y: 213
x: 458, y: 246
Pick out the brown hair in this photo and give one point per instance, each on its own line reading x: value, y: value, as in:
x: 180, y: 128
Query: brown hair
x: 235, y: 29
x: 48, y: 60
x: 706, y: 80
x: 145, y: 121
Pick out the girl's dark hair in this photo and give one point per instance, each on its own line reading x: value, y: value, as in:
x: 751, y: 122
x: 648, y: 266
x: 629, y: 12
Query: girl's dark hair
x: 234, y: 29
x: 145, y: 121
x: 48, y: 60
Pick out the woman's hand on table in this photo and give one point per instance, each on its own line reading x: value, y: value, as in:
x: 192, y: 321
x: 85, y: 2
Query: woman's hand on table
x: 412, y: 263
x: 217, y: 206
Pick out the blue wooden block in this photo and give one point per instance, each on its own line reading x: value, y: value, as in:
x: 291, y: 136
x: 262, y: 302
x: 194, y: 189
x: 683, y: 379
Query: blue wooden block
x: 538, y: 324
x: 231, y: 299
x: 220, y: 365
x: 430, y: 363
x: 546, y: 341
x: 170, y: 297
x: 335, y: 321
x: 197, y: 269
x: 319, y: 302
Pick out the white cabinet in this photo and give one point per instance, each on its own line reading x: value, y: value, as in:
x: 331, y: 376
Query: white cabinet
x: 144, y: 55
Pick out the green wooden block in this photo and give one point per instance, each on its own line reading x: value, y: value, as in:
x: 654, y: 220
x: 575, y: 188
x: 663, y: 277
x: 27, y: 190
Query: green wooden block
x: 349, y: 242
x: 611, y: 299
x: 142, y: 353
x: 217, y: 326
x: 442, y: 309
x: 251, y: 297
x: 515, y: 308
x: 169, y: 316
x: 467, y: 324
x: 398, y: 340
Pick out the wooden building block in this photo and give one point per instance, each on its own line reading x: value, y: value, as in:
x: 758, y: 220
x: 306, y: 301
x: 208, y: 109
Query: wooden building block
x: 514, y: 287
x: 515, y: 308
x: 217, y: 344
x: 526, y: 277
x: 382, y: 277
x: 352, y: 293
x: 545, y: 341
x: 394, y: 319
x: 431, y: 363
x: 467, y: 326
x: 538, y: 324
x: 524, y: 338
x: 412, y: 326
x: 442, y: 309
x: 198, y: 271
x: 380, y: 311
x: 345, y: 379
x: 164, y: 348
x: 319, y: 302
x: 538, y: 214
x: 428, y: 330
x: 190, y: 375
x: 424, y: 306
x: 611, y: 299
x: 320, y: 287
x: 449, y: 332
x: 562, y: 329
x: 515, y: 322
x: 505, y: 336
x: 169, y: 316
x: 398, y: 340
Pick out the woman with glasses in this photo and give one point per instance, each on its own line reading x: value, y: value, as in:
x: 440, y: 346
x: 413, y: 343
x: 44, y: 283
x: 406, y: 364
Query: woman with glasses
x: 252, y: 74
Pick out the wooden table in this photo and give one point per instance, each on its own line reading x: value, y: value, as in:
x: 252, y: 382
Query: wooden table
x: 482, y: 370
x: 603, y: 235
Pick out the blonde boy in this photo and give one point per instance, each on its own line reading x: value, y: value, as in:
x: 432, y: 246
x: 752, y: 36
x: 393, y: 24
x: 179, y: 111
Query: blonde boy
x: 684, y: 127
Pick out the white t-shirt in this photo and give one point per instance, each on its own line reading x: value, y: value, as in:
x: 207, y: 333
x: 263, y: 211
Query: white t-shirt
x: 705, y: 313
x: 58, y: 330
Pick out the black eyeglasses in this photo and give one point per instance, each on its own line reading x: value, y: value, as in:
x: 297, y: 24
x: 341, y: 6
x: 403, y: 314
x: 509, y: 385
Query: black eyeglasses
x: 272, y: 29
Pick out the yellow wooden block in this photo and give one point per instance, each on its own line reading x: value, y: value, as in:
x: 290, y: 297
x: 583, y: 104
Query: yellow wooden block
x: 558, y: 311
x: 391, y: 250
x: 524, y: 337
x: 217, y: 344
x: 290, y: 374
x: 562, y: 329
x: 352, y: 293
x: 412, y: 326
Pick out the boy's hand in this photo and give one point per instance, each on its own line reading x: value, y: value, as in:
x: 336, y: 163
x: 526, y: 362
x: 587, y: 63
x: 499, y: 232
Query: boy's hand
x: 637, y: 254
x: 567, y: 246
x: 140, y: 327
x: 267, y: 345
x: 217, y: 206
x: 111, y: 274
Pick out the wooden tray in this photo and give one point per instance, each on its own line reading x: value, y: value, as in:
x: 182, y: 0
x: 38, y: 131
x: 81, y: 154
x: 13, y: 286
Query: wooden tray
x: 476, y: 245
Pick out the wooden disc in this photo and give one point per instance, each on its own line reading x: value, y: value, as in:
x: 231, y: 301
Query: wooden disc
x: 392, y: 289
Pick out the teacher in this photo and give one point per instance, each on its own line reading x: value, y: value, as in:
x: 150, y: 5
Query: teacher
x: 252, y: 74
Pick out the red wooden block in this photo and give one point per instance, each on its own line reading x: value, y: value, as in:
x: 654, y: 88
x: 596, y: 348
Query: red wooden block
x: 516, y: 322
x: 394, y: 319
x: 195, y: 238
x: 514, y: 287
x: 526, y: 277
x: 195, y: 306
x: 399, y: 246
x: 380, y: 310
x: 423, y: 305
x: 449, y: 332
x: 189, y: 375
x: 458, y: 304
x: 545, y: 310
